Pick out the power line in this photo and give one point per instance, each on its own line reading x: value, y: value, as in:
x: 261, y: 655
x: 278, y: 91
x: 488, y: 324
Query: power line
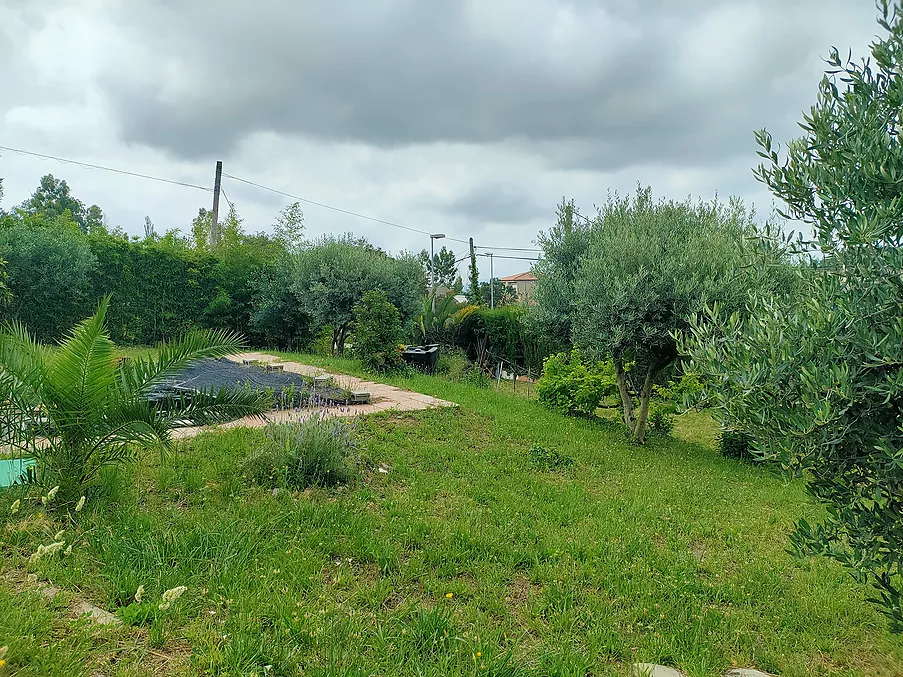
x: 89, y: 165
x: 106, y: 169
x: 326, y: 206
x: 499, y: 256
x: 363, y: 216
x: 510, y: 249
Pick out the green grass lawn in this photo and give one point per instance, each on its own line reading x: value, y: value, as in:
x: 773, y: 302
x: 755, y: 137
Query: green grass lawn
x: 464, y: 559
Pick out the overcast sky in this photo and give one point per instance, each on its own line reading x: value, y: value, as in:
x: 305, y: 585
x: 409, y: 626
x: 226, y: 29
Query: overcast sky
x: 470, y: 117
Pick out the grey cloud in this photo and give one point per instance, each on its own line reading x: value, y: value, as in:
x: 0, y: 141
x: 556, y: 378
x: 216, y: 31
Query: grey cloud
x: 409, y: 72
x: 497, y: 204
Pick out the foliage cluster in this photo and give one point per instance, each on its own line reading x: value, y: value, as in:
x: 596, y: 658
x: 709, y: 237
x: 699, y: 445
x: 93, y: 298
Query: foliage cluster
x: 377, y: 333
x: 573, y: 384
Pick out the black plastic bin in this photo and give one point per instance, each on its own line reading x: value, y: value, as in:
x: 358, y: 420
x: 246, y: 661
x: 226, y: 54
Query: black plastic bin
x: 424, y: 358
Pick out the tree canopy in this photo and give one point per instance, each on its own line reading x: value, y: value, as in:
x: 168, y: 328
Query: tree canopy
x: 332, y: 274
x: 627, y: 282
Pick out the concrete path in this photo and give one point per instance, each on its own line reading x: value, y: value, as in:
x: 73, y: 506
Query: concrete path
x: 382, y: 397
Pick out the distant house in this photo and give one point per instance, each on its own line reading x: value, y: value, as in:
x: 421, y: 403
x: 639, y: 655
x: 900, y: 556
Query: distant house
x: 521, y: 284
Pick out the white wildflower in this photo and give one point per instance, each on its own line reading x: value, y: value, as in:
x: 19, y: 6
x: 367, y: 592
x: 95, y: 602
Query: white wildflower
x: 68, y: 551
x: 52, y: 493
x: 139, y: 593
x: 45, y: 550
x: 80, y: 504
x: 14, y: 508
x: 59, y: 535
x: 171, y: 596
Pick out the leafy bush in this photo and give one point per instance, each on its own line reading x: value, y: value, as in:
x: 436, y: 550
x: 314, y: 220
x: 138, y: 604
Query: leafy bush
x: 549, y: 459
x: 377, y: 332
x: 48, y: 273
x: 682, y: 394
x: 314, y: 451
x: 735, y: 444
x: 661, y: 421
x: 575, y: 386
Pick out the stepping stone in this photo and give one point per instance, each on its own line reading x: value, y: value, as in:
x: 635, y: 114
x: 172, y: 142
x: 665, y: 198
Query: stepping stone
x: 360, y: 397
x: 322, y: 380
x: 653, y: 670
x: 746, y: 672
x: 96, y: 614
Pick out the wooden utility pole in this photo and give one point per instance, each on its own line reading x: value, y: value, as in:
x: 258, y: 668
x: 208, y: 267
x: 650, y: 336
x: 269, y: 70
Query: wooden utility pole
x: 214, y: 223
x: 491, y: 285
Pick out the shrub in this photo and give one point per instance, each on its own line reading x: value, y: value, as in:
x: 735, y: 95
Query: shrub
x: 736, y: 444
x: 377, y: 332
x: 309, y: 452
x: 574, y: 386
x: 661, y: 421
x: 549, y: 459
x: 94, y: 409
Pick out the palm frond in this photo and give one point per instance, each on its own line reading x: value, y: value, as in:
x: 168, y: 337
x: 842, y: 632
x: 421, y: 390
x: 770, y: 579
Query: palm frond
x: 210, y: 407
x: 80, y: 376
x: 23, y: 362
x: 136, y: 376
x: 134, y: 421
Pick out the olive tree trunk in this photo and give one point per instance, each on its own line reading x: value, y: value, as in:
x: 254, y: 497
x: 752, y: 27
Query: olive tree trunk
x: 626, y: 398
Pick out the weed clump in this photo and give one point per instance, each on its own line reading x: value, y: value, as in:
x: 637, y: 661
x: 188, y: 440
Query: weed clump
x: 549, y: 459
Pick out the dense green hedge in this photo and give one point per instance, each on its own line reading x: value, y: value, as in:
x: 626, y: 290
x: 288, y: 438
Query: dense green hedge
x: 507, y: 333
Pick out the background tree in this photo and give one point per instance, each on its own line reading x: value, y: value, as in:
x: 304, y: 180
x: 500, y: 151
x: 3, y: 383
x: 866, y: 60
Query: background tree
x: 149, y: 233
x: 473, y: 273
x: 200, y: 229
x: 445, y: 264
x: 554, y: 294
x: 49, y: 267
x: 377, y: 332
x: 817, y: 378
x: 276, y: 316
x: 498, y: 292
x: 53, y: 198
x: 332, y: 274
x: 95, y: 220
x: 289, y: 227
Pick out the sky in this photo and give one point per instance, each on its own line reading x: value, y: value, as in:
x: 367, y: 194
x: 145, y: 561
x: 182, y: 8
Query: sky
x: 471, y: 118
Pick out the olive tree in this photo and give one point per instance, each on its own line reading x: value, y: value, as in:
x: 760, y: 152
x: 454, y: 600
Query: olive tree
x: 818, y: 380
x: 636, y: 274
x: 331, y: 275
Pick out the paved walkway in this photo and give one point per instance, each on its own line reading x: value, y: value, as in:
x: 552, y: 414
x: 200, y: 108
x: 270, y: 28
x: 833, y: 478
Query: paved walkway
x: 382, y: 397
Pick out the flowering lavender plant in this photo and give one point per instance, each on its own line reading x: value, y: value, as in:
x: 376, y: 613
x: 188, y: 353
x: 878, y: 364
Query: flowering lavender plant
x: 313, y: 450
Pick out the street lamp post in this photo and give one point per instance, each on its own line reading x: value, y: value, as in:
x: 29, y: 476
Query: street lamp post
x: 433, y: 238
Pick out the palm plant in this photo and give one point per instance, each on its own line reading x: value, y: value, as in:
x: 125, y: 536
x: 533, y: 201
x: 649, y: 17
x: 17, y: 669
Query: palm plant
x: 77, y: 409
x: 435, y: 325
